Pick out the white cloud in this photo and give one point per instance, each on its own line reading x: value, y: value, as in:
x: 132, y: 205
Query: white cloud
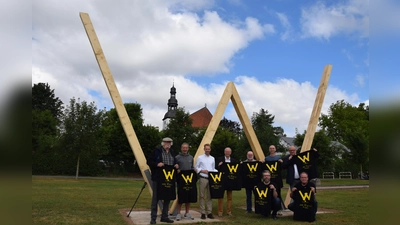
x: 323, y: 21
x: 288, y: 30
x: 148, y: 46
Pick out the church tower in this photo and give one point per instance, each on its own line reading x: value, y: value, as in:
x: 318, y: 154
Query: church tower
x: 172, y: 105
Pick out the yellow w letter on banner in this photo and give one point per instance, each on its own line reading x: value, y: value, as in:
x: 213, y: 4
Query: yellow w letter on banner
x: 305, y: 158
x: 216, y: 177
x: 168, y: 175
x: 253, y: 167
x: 272, y: 167
x: 188, y: 179
x: 305, y: 196
x: 262, y: 193
x: 232, y: 168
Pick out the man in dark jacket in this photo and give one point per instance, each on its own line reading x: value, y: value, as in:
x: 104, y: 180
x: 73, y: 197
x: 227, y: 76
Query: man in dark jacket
x: 161, y: 161
x: 292, y: 177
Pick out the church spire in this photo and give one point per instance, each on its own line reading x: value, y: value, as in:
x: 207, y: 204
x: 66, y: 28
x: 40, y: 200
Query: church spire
x: 172, y: 106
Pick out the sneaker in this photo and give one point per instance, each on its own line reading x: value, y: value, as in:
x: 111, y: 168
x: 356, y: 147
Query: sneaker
x: 153, y: 222
x: 274, y: 217
x: 210, y: 216
x: 248, y: 211
x: 203, y: 216
x: 229, y: 214
x: 220, y: 214
x: 188, y: 216
x: 178, y: 217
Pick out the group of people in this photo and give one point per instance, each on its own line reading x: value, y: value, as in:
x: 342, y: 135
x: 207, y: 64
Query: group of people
x: 214, y: 177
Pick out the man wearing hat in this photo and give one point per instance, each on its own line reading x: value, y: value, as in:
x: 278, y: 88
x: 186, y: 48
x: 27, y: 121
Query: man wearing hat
x: 162, y: 157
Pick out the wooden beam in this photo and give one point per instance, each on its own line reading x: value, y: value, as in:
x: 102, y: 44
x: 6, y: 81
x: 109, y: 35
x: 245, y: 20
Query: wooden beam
x: 313, y: 122
x: 116, y: 98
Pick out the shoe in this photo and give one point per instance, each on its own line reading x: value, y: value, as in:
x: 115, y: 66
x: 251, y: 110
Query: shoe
x: 210, y: 216
x: 229, y: 214
x: 153, y: 222
x: 203, y: 216
x: 274, y: 217
x: 248, y: 211
x: 178, y: 217
x: 220, y: 214
x: 167, y: 220
x: 188, y: 216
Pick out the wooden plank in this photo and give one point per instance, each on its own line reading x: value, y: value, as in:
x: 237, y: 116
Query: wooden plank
x: 246, y: 124
x: 215, y: 120
x: 116, y: 98
x: 313, y: 122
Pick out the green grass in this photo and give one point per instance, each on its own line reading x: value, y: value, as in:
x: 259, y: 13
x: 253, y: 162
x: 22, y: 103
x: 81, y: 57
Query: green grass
x: 90, y: 201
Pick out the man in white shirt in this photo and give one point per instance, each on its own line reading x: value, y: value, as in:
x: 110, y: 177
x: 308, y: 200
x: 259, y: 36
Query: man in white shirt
x: 205, y: 163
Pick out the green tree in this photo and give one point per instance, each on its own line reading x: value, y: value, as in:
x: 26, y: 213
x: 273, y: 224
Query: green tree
x: 232, y: 126
x: 81, y: 129
x: 46, y: 114
x: 266, y: 133
x: 223, y: 138
x: 119, y: 153
x: 349, y: 125
x: 43, y: 98
x: 180, y: 130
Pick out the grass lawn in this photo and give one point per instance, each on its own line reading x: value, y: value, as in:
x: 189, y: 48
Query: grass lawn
x: 92, y: 201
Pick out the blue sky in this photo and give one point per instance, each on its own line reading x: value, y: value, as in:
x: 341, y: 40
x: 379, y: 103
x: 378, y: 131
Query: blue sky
x: 273, y: 50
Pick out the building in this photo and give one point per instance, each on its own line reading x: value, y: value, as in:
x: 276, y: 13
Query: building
x: 201, y: 118
x: 172, y: 106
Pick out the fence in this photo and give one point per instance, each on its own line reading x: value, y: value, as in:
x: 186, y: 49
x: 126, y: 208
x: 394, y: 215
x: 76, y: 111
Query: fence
x: 328, y: 175
x: 345, y: 175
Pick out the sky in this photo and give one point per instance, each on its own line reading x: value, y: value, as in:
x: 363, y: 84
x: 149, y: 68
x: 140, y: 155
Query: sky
x: 273, y: 50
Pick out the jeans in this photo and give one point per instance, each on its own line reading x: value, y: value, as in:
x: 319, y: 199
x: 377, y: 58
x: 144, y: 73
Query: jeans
x: 249, y: 197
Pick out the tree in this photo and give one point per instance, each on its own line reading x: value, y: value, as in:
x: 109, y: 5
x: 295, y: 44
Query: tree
x: 180, y: 129
x: 223, y: 138
x: 43, y: 98
x: 266, y: 133
x: 349, y: 125
x: 119, y: 153
x: 81, y: 129
x: 232, y: 126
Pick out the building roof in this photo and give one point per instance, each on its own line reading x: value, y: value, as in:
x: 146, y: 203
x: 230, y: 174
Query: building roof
x: 201, y: 118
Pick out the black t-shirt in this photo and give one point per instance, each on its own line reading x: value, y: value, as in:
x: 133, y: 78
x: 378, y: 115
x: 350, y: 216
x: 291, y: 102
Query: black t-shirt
x: 304, y: 202
x: 216, y: 184
x: 275, y: 167
x: 187, y: 189
x: 166, y: 185
x: 307, y: 162
x: 263, y: 196
x: 250, y: 174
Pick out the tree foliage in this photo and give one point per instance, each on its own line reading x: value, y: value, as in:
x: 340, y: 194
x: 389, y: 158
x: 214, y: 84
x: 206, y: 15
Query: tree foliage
x: 350, y: 126
x: 232, y: 126
x: 266, y: 133
x: 81, y: 129
x: 43, y: 98
x: 180, y: 129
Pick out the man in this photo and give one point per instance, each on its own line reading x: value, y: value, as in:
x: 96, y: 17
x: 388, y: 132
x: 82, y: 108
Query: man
x: 225, y: 159
x: 304, y: 204
x: 266, y: 196
x: 292, y: 177
x: 205, y: 163
x: 186, y: 169
x: 161, y: 158
x: 275, y: 170
x: 250, y: 178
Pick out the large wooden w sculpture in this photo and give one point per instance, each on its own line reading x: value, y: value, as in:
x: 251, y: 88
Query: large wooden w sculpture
x: 230, y: 93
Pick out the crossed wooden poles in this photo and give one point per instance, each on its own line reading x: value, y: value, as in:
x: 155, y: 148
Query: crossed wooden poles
x: 230, y: 93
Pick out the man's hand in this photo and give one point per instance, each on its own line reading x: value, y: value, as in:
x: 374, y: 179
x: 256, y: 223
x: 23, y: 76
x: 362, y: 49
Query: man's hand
x: 160, y: 164
x: 294, y: 189
x: 280, y: 160
x: 176, y: 166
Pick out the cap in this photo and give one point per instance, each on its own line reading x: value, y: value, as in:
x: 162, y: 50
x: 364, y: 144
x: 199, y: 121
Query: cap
x: 167, y: 139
